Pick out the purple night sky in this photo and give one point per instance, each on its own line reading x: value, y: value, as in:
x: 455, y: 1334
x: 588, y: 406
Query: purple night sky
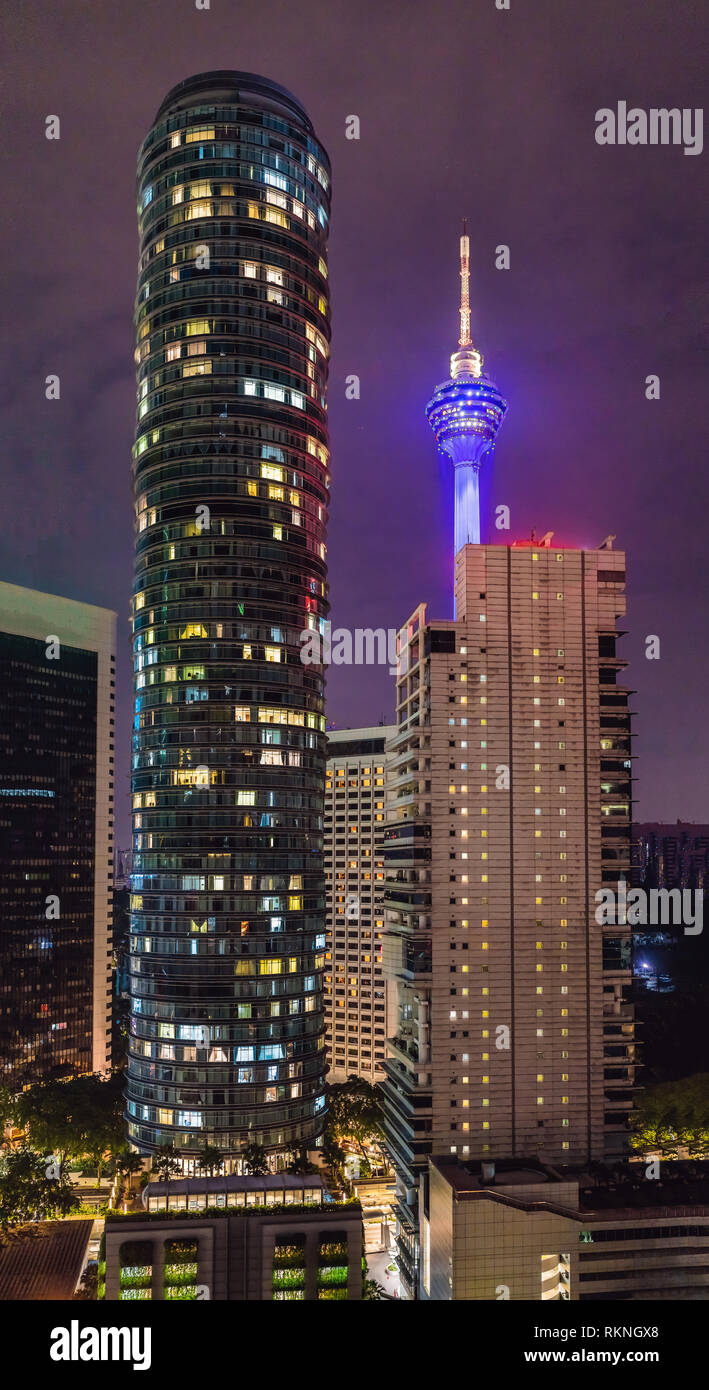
x: 465, y: 111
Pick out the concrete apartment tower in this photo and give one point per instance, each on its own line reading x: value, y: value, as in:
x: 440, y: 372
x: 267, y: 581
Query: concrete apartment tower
x: 513, y: 1038
x: 357, y: 996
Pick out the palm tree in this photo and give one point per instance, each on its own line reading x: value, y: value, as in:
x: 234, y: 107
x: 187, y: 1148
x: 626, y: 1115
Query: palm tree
x: 211, y: 1158
x: 299, y: 1162
x: 166, y: 1161
x: 255, y: 1160
x: 128, y: 1163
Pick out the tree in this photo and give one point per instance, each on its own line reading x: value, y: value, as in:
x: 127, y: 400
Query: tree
x: 210, y: 1160
x: 74, y: 1118
x: 300, y: 1163
x: 45, y: 1113
x: 26, y: 1191
x: 332, y: 1152
x: 671, y: 1116
x: 7, y: 1107
x: 255, y: 1160
x: 100, y: 1111
x: 372, y: 1291
x: 166, y: 1161
x: 88, y: 1288
x: 128, y: 1163
x: 354, y: 1112
x: 674, y: 1025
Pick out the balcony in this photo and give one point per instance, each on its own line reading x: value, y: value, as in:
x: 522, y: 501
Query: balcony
x: 623, y: 1013
x: 404, y: 1047
x: 401, y: 900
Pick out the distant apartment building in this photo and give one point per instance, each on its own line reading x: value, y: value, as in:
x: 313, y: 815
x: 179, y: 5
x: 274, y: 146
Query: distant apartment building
x: 356, y: 993
x: 525, y: 1232
x: 123, y: 862
x: 670, y: 855
x: 57, y: 729
x: 670, y: 859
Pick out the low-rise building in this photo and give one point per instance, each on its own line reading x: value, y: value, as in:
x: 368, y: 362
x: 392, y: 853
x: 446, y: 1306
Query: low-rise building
x: 524, y: 1231
x: 276, y: 1238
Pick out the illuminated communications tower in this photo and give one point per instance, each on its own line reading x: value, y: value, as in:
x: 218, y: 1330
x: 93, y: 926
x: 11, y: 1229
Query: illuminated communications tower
x: 465, y: 414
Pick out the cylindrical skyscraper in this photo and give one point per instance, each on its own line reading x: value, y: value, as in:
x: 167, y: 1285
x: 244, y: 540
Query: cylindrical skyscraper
x: 231, y: 494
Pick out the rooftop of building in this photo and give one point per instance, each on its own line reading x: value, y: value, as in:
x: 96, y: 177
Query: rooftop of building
x: 43, y: 1261
x: 235, y: 84
x: 353, y: 743
x: 26, y: 612
x: 329, y: 1209
x: 606, y: 1192
x: 671, y: 829
x: 235, y: 1182
x: 550, y: 542
x: 647, y: 1197
x: 469, y: 1178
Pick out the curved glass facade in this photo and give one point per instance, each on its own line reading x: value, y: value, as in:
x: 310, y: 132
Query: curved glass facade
x: 231, y: 493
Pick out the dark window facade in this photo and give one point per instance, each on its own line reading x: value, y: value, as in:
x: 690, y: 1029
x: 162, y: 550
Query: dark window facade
x: 47, y: 846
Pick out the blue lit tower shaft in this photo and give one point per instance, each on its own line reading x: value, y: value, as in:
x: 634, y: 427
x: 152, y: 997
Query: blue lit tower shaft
x: 465, y: 414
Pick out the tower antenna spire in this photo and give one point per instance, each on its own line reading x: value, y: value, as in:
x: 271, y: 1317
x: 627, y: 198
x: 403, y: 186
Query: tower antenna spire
x: 465, y: 339
x: 465, y: 414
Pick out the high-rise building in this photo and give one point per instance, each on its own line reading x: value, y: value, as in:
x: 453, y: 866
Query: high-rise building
x: 513, y: 1037
x: 57, y: 731
x: 231, y: 495
x: 669, y: 860
x: 671, y: 856
x: 356, y: 992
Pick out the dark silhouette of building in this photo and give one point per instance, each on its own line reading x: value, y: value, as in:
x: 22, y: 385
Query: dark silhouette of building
x: 56, y: 836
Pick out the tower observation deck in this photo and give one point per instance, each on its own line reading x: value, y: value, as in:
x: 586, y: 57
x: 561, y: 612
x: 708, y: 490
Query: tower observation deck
x: 465, y: 414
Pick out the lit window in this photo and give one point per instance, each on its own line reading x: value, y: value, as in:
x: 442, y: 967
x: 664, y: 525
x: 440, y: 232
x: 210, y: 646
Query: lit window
x: 198, y: 368
x: 271, y: 470
x: 195, y: 210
